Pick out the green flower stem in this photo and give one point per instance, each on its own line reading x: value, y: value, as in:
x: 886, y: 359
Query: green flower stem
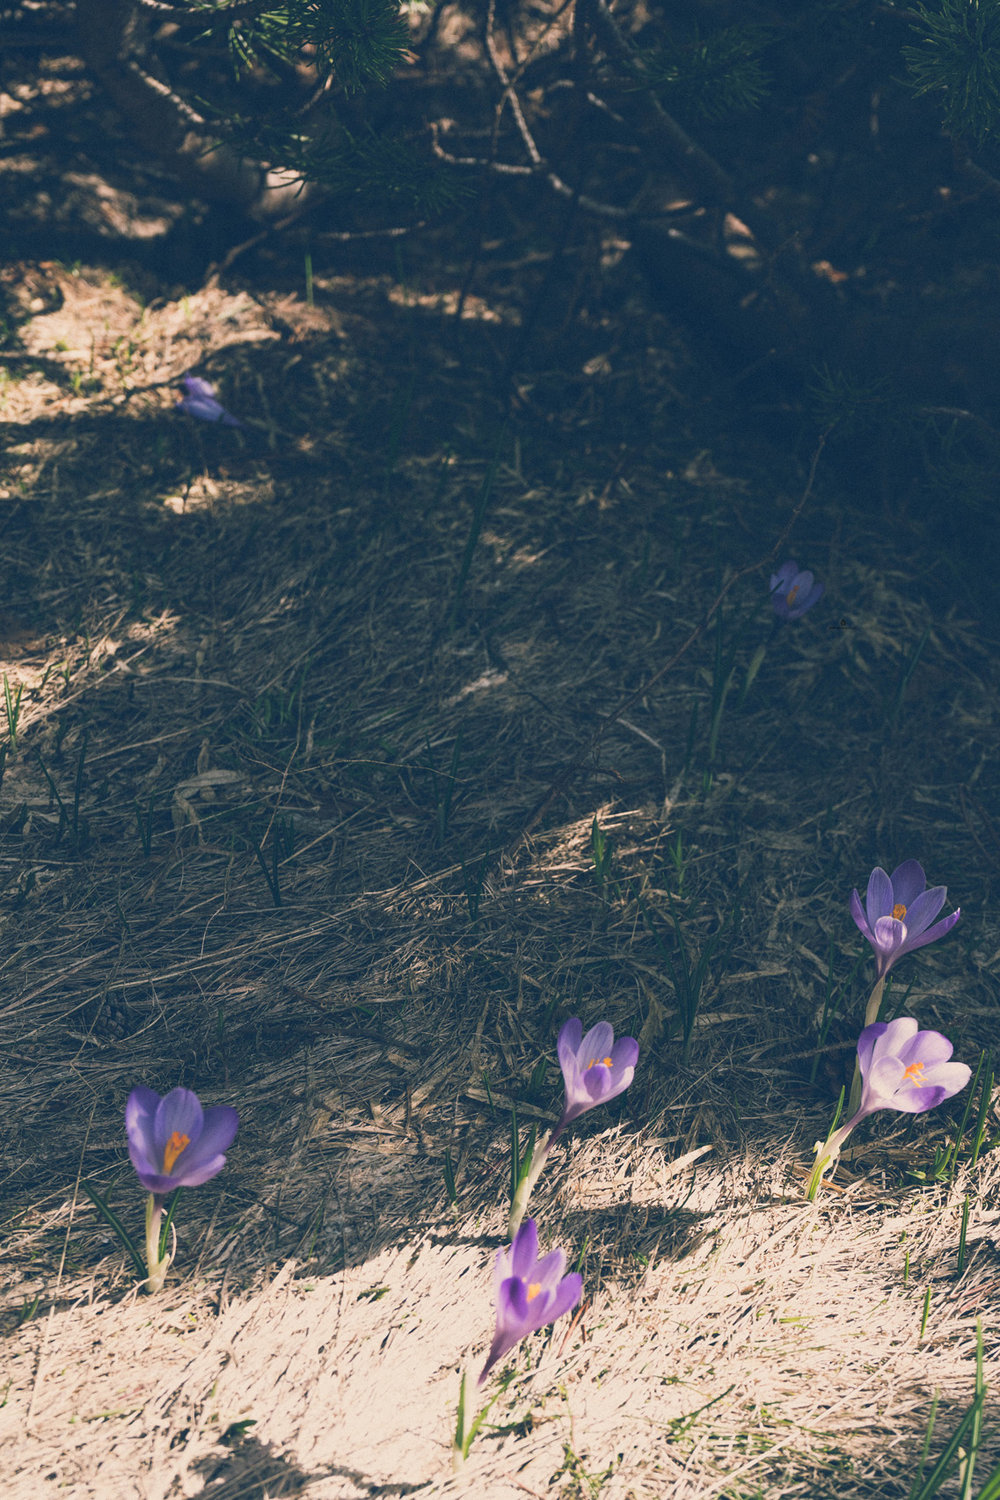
x: 464, y: 1432
x: 519, y: 1203
x: 157, y: 1269
x: 826, y: 1158
x: 871, y: 1014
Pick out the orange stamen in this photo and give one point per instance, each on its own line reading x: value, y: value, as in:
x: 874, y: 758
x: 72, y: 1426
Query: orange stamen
x: 790, y: 596
x: 172, y: 1150
x: 899, y: 911
x: 604, y: 1062
x: 534, y: 1288
x: 911, y: 1073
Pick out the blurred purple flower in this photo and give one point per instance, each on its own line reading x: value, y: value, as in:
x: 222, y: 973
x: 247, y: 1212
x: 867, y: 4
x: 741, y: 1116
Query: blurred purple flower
x: 200, y: 402
x: 594, y: 1067
x: 173, y: 1142
x: 898, y: 912
x: 529, y: 1292
x: 792, y: 592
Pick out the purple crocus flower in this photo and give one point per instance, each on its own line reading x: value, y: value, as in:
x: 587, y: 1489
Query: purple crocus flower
x: 905, y: 1068
x: 529, y: 1292
x: 792, y: 592
x: 200, y: 402
x: 898, y: 912
x: 901, y: 1068
x: 594, y: 1067
x: 173, y: 1142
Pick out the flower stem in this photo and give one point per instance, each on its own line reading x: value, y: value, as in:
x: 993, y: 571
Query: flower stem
x: 519, y: 1203
x: 871, y: 1014
x: 157, y: 1269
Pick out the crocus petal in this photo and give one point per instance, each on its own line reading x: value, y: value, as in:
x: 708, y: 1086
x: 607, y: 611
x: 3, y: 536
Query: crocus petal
x: 568, y: 1042
x: 624, y: 1054
x: 195, y: 386
x: 866, y: 1044
x: 524, y: 1250
x: 908, y: 881
x: 879, y: 898
x: 140, y: 1113
x: 203, y: 407
x: 205, y: 1157
x: 922, y: 909
x: 597, y: 1082
x: 512, y: 1306
x: 813, y: 597
x: 550, y: 1268
x: 889, y: 941
x: 933, y: 933
x: 596, y: 1045
x: 894, y: 1035
x: 566, y: 1295
x: 178, y: 1113
x: 857, y: 912
x: 927, y: 1047
x: 783, y: 578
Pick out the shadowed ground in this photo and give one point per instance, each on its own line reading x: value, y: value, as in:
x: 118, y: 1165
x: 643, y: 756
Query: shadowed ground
x: 268, y: 830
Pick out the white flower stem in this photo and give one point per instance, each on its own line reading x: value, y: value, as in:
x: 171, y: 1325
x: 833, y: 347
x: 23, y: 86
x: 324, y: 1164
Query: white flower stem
x: 519, y: 1206
x: 156, y: 1267
x: 871, y: 1014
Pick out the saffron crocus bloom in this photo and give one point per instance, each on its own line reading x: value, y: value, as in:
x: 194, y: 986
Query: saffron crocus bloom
x: 901, y: 1068
x: 200, y: 402
x: 898, y: 912
x: 529, y: 1292
x: 173, y: 1142
x: 792, y: 592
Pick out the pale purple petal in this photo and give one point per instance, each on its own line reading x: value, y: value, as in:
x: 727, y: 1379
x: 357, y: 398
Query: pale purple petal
x: 550, y: 1268
x: 205, y: 1157
x: 140, y: 1112
x: 784, y: 576
x: 922, y: 909
x: 195, y: 386
x: 896, y: 1035
x: 568, y: 1043
x: 889, y: 942
x: 951, y: 1076
x: 178, y: 1112
x: 928, y: 1047
x: 933, y: 933
x: 624, y: 1054
x: 908, y: 880
x: 596, y: 1045
x: 857, y: 912
x: 566, y: 1295
x: 866, y: 1044
x: 524, y: 1250
x: 879, y: 898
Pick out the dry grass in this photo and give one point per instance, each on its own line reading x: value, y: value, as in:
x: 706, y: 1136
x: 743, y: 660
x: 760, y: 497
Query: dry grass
x: 234, y: 644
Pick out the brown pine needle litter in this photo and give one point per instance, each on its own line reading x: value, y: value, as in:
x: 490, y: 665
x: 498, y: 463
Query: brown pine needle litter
x: 263, y: 835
